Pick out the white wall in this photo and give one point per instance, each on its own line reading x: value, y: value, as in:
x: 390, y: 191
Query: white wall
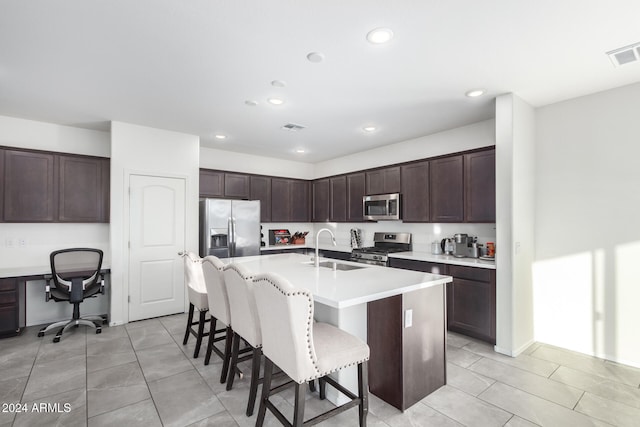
x: 515, y: 139
x: 49, y: 137
x: 211, y: 158
x: 477, y: 135
x: 139, y: 149
x: 41, y: 239
x: 587, y: 269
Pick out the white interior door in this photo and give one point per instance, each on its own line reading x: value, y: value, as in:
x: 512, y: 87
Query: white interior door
x: 156, y: 235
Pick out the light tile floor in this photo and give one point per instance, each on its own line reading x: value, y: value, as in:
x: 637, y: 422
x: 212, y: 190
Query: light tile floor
x: 141, y: 374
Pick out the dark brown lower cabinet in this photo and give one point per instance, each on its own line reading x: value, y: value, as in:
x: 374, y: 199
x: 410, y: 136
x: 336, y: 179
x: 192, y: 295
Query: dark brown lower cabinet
x: 471, y: 297
x: 9, y: 307
x: 407, y: 362
x: 471, y: 302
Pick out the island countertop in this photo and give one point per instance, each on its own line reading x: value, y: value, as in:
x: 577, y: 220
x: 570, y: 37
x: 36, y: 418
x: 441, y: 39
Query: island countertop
x: 340, y: 288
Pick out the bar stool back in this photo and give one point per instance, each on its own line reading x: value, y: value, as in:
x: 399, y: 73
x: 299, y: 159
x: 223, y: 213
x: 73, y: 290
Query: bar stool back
x: 219, y: 311
x: 246, y: 326
x: 197, y: 292
x: 305, y: 350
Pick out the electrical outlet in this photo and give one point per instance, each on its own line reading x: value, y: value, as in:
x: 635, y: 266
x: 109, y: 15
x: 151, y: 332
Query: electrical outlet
x: 408, y: 318
x: 9, y: 243
x: 22, y: 241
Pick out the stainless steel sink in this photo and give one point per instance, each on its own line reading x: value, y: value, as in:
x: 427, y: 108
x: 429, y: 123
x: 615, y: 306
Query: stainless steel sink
x: 339, y: 266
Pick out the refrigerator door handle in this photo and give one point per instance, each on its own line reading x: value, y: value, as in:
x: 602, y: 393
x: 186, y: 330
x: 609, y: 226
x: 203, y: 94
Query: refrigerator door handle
x: 232, y: 236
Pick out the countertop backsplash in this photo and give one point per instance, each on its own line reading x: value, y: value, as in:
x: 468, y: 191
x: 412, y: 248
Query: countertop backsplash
x: 422, y: 234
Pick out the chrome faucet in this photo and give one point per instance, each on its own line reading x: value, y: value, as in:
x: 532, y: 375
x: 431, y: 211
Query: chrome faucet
x: 333, y: 239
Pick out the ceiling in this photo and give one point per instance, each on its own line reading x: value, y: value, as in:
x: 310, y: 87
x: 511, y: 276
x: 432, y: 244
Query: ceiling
x: 189, y: 66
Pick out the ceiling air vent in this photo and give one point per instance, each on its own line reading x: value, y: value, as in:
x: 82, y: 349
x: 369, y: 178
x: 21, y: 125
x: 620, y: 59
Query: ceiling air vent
x: 625, y: 55
x: 292, y: 127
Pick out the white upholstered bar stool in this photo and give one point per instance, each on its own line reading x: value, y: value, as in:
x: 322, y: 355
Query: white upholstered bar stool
x: 305, y: 350
x: 197, y: 299
x: 244, y: 317
x: 212, y: 269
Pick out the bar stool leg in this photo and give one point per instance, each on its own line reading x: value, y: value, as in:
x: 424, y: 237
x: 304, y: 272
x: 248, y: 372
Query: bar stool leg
x: 255, y: 374
x: 227, y: 355
x: 234, y: 361
x: 186, y: 334
x: 210, y: 343
x: 298, y: 410
x: 201, y: 322
x: 323, y: 388
x: 363, y: 393
x: 266, y: 389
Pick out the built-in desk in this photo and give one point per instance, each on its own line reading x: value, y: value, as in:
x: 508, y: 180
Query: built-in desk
x: 13, y: 296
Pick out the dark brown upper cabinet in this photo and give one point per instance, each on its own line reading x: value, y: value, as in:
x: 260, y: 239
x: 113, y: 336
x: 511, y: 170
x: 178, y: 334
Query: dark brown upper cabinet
x: 261, y: 190
x: 338, y: 199
x: 480, y: 186
x: 211, y: 183
x: 236, y: 185
x: 30, y: 186
x: 355, y: 192
x: 383, y: 181
x: 42, y: 186
x: 446, y: 189
x: 82, y: 187
x: 415, y: 192
x: 321, y: 201
x: 289, y: 200
x: 299, y: 200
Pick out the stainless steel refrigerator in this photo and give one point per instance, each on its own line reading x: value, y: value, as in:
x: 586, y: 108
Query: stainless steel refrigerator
x: 229, y: 228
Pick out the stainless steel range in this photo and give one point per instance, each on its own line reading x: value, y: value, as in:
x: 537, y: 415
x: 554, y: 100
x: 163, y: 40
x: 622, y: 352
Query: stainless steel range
x: 384, y: 244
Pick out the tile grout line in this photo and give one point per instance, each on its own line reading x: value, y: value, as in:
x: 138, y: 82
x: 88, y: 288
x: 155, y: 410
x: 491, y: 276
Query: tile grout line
x: 145, y: 379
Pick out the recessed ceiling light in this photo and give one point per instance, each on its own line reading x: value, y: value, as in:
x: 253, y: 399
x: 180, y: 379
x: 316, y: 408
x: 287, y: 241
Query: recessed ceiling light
x: 369, y: 128
x: 275, y: 101
x: 315, y: 57
x: 475, y: 93
x: 251, y: 103
x: 220, y: 136
x: 278, y: 83
x: 379, y: 35
x: 300, y: 150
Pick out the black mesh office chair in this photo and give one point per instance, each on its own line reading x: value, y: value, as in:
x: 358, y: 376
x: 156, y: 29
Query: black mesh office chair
x: 75, y: 275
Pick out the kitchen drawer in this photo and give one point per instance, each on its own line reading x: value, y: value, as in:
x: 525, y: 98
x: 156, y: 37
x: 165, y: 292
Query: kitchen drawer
x: 410, y: 264
x: 470, y: 273
x: 8, y: 285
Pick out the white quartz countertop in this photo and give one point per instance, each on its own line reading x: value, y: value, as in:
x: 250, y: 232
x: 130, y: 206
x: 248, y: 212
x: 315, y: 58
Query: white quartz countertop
x: 340, y: 289
x: 445, y: 259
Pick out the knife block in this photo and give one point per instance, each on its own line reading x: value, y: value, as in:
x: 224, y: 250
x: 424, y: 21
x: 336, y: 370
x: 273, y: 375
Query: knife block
x: 298, y: 241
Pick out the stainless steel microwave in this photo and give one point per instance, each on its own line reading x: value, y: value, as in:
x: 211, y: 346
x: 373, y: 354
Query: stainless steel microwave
x: 381, y: 207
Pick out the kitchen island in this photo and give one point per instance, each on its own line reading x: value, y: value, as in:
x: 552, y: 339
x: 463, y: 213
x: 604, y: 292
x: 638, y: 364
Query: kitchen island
x: 399, y: 313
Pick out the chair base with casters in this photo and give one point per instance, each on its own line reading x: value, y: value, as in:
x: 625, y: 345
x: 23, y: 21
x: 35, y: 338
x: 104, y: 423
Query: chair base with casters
x: 95, y: 322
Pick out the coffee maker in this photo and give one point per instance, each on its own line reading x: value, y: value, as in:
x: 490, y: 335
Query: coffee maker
x: 465, y: 246
x: 460, y: 242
